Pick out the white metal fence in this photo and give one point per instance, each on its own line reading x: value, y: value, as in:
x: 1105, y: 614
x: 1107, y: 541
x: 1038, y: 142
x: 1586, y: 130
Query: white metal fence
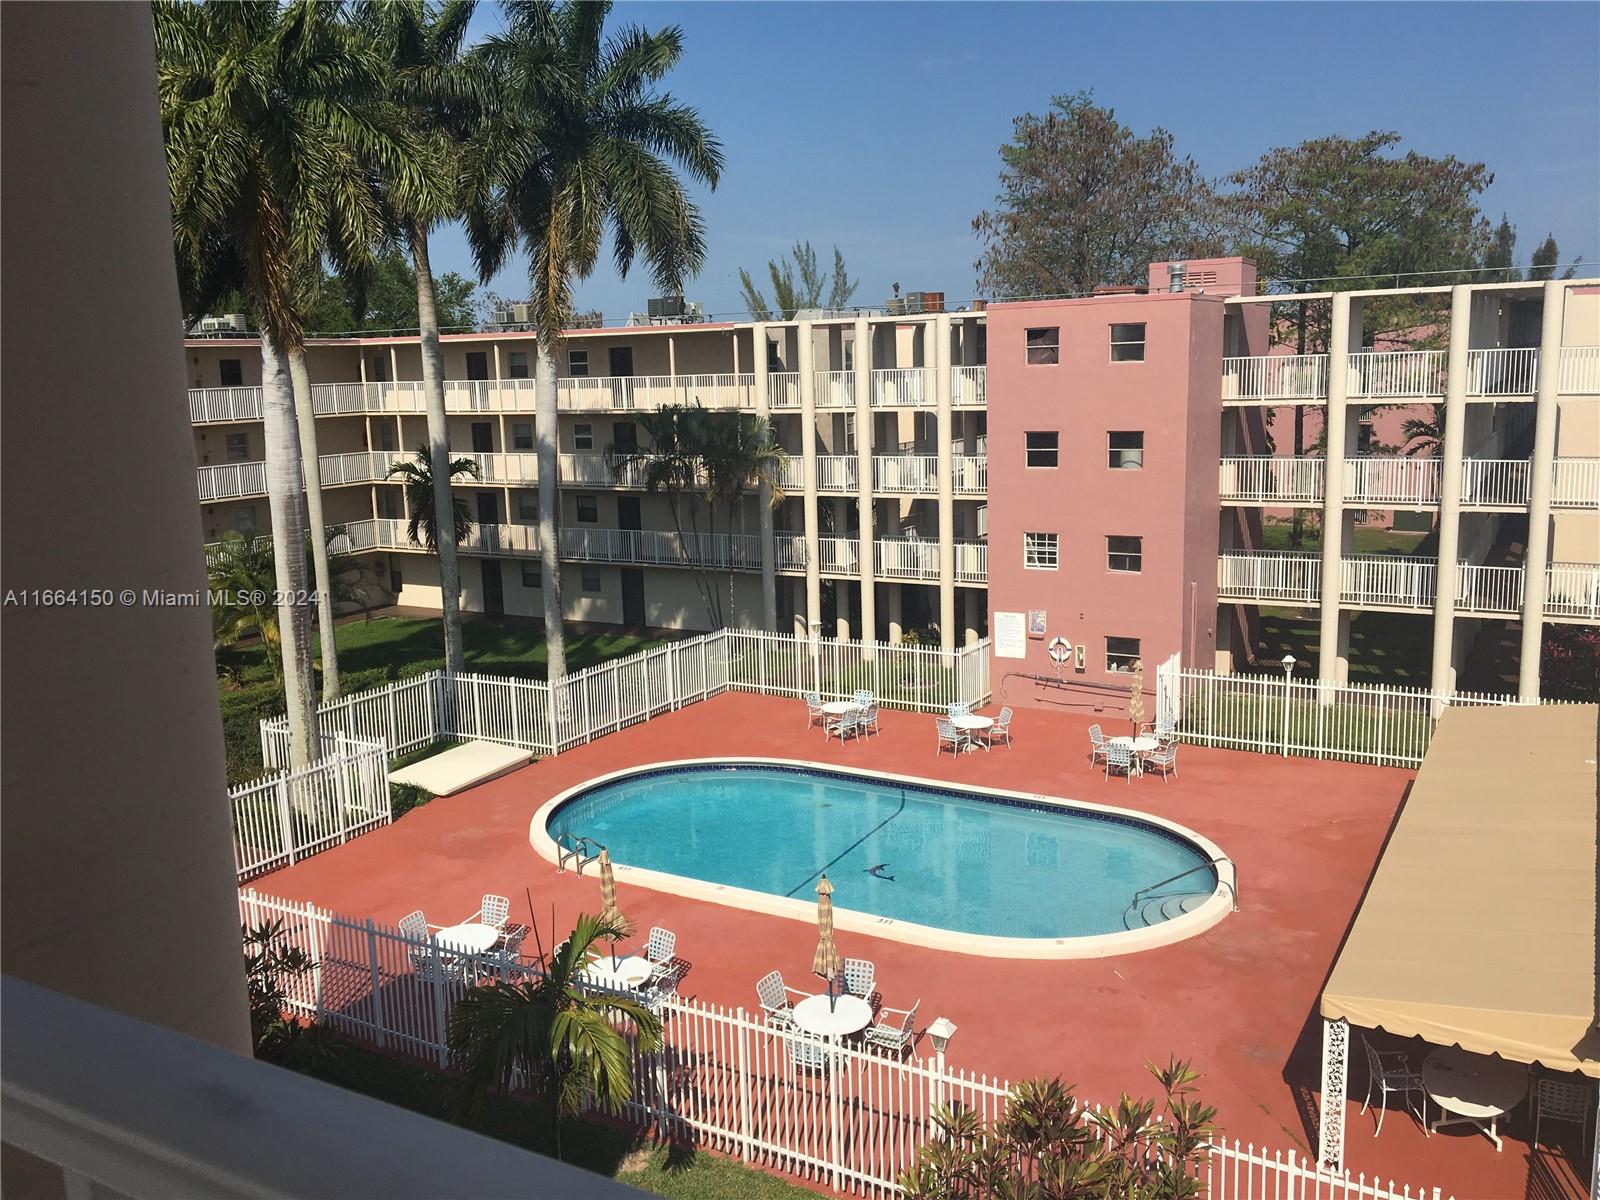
x: 1275, y: 377
x: 291, y: 815
x: 830, y: 1112
x: 412, y: 713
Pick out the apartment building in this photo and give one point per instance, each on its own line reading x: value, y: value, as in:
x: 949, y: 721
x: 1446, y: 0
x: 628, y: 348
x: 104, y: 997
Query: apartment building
x: 1123, y: 517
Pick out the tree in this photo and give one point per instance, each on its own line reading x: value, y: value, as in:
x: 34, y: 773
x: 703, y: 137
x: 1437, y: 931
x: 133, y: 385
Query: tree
x: 1547, y: 258
x: 1338, y: 213
x: 727, y: 454
x: 797, y: 285
x: 442, y: 92
x: 1499, y: 258
x: 416, y: 475
x: 386, y: 299
x: 551, y: 1034
x: 1084, y: 201
x: 274, y: 126
x: 1050, y: 1146
x: 579, y: 145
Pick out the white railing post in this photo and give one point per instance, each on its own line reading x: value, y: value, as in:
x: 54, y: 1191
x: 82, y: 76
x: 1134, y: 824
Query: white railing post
x: 341, y: 768
x: 286, y: 816
x: 744, y: 1083
x: 379, y: 1024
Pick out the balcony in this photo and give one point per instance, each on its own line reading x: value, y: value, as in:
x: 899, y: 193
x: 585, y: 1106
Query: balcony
x: 1576, y: 484
x: 1503, y: 372
x: 838, y: 473
x: 969, y: 386
x: 631, y: 392
x: 834, y: 389
x: 1386, y: 480
x: 916, y: 474
x: 906, y: 558
x: 1396, y: 374
x: 1580, y: 371
x: 783, y: 389
x: 971, y: 474
x: 1269, y: 378
x: 1271, y: 479
x: 1276, y: 576
x: 901, y: 387
x: 662, y: 547
x: 1400, y: 482
x: 229, y: 481
x: 224, y: 404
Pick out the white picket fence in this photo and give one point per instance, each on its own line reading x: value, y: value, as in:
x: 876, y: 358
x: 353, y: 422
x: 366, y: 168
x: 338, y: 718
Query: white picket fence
x: 1371, y: 723
x: 413, y: 713
x: 288, y: 816
x: 831, y: 1113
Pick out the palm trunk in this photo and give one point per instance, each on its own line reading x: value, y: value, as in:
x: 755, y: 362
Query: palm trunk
x: 286, y: 501
x: 444, y: 512
x: 1297, y: 526
x: 544, y: 414
x: 306, y: 419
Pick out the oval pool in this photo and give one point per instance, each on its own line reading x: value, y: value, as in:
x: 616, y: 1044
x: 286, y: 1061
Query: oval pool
x: 978, y: 870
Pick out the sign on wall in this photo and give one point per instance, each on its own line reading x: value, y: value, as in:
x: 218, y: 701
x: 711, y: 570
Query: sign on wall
x: 1036, y: 623
x: 1010, y: 635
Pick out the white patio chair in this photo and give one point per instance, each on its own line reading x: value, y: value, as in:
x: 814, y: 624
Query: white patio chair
x: 807, y: 1051
x: 659, y: 950
x: 773, y: 996
x: 860, y: 977
x: 1097, y: 744
x: 1562, y: 1100
x: 869, y: 719
x: 511, y: 939
x: 814, y: 713
x: 843, y: 725
x: 1119, y: 757
x: 1000, y: 731
x: 957, y: 710
x: 1390, y: 1071
x: 895, y: 1035
x: 414, y: 925
x: 1163, y: 758
x: 492, y: 912
x: 949, y: 735
x: 863, y: 697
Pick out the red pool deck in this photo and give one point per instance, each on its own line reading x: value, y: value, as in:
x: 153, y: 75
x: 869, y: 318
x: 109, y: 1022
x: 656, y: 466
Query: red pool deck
x: 1239, y: 1001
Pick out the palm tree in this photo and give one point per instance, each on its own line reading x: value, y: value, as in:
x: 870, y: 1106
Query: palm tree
x: 443, y: 92
x: 416, y: 474
x: 311, y: 471
x: 581, y: 144
x: 550, y: 1034
x: 274, y: 127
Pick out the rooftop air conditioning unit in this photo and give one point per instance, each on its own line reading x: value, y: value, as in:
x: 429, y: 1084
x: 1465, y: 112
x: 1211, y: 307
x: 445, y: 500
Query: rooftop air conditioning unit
x: 665, y: 306
x: 236, y: 321
x: 914, y: 301
x: 895, y: 306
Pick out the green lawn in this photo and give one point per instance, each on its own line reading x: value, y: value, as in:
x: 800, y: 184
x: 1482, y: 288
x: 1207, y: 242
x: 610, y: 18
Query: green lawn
x: 665, y: 1170
x: 372, y: 652
x: 1390, y: 648
x: 1368, y: 539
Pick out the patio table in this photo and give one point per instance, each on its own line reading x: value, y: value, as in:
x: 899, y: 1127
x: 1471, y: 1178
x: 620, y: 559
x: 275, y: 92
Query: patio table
x: 474, y: 937
x: 1138, y: 746
x: 838, y: 708
x: 971, y: 723
x: 1476, y: 1088
x: 846, y: 1015
x: 629, y: 972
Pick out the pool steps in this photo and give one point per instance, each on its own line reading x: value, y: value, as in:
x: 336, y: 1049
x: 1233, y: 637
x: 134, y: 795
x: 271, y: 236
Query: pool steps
x: 1162, y: 908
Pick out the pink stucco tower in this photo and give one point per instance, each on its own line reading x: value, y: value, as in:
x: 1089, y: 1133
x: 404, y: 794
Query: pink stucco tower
x: 1104, y: 434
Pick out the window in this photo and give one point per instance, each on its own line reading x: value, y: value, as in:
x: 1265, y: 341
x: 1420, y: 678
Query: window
x: 774, y: 359
x: 244, y: 521
x: 528, y: 506
x: 522, y: 435
x: 386, y: 437
x: 530, y: 574
x: 483, y: 437
x: 583, y: 437
x: 1121, y: 653
x: 1044, y: 449
x: 1127, y: 343
x: 231, y: 371
x: 1124, y: 554
x: 238, y: 447
x: 590, y: 581
x: 389, y: 503
x: 1127, y: 450
x: 847, y: 352
x: 518, y: 367
x: 577, y: 363
x: 589, y: 509
x: 477, y: 364
x: 1041, y: 551
x: 1044, y: 346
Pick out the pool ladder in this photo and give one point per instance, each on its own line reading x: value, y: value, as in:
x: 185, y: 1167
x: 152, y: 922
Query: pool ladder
x: 1233, y: 895
x: 572, y: 848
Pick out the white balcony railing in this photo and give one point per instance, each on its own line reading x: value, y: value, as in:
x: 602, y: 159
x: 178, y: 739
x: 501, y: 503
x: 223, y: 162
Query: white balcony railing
x: 662, y: 547
x: 228, y: 481
x: 1390, y: 580
x: 791, y: 551
x: 907, y: 558
x: 1396, y: 374
x: 915, y: 473
x: 361, y: 466
x: 1252, y: 378
x: 792, y: 476
x: 972, y: 561
x: 839, y: 555
x: 783, y: 389
x: 1391, y: 479
x: 1485, y: 589
x: 969, y: 386
x: 971, y: 474
x: 900, y: 387
x: 1289, y: 576
x: 834, y: 389
x: 1572, y: 590
x: 1271, y: 479
x: 1577, y: 483
x: 838, y: 473
x: 515, y: 467
x: 1580, y: 371
x: 1503, y: 372
x: 1494, y: 482
x: 224, y: 404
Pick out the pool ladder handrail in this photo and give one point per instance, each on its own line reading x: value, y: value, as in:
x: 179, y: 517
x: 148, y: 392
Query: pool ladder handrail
x: 1233, y: 894
x: 570, y: 847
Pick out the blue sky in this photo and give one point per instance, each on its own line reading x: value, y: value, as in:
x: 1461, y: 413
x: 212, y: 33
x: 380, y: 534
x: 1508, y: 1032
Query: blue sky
x: 876, y: 126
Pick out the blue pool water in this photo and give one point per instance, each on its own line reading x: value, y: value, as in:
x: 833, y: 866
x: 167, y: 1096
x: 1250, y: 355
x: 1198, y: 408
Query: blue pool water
x: 944, y: 858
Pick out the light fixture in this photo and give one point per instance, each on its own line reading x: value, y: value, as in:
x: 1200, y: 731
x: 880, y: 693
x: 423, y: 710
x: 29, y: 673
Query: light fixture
x: 940, y: 1033
x: 1288, y: 665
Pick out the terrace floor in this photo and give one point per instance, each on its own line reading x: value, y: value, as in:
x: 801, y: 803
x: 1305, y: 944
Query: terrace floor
x: 1239, y: 1001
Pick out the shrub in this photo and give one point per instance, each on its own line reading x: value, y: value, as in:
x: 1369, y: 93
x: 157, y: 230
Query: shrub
x: 403, y: 797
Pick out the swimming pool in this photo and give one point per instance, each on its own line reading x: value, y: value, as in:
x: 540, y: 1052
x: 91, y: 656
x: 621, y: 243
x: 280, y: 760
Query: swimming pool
x: 974, y: 869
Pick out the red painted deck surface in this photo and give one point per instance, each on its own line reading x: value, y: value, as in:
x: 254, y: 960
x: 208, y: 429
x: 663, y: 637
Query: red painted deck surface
x: 1239, y: 1001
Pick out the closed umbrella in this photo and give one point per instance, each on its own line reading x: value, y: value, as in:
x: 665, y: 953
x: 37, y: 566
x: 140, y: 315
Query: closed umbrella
x: 1136, y: 696
x: 609, y: 912
x: 826, y: 961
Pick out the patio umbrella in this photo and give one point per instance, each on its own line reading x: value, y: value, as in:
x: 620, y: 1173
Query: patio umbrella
x: 826, y: 961
x: 609, y: 912
x: 1136, y: 696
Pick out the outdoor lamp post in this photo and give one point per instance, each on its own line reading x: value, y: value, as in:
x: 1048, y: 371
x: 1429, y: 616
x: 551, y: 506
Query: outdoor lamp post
x: 1288, y: 666
x: 939, y: 1033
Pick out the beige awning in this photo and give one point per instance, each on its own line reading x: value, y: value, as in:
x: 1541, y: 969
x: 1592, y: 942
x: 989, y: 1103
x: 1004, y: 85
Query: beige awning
x: 1479, y: 927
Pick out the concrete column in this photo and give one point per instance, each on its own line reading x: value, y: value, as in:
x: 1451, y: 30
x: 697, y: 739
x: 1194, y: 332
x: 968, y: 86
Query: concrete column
x: 969, y: 634
x: 808, y: 452
x: 1331, y: 666
x: 945, y: 415
x: 841, y: 610
x: 769, y: 562
x: 1442, y: 678
x: 893, y: 599
x: 1541, y: 477
x: 868, y: 534
x: 114, y: 810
